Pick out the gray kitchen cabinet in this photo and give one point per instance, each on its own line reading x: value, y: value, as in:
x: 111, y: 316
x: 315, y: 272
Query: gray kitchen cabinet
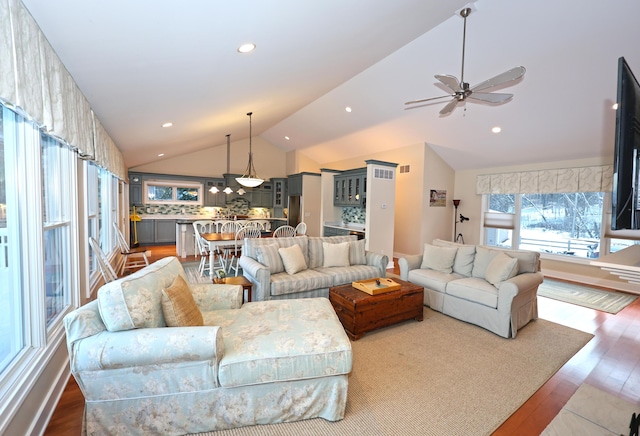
x: 146, y: 232
x: 218, y: 199
x: 165, y: 231
x: 135, y: 189
x: 295, y: 184
x: 350, y: 188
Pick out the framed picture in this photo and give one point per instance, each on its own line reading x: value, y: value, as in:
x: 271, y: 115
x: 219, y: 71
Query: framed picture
x: 438, y: 198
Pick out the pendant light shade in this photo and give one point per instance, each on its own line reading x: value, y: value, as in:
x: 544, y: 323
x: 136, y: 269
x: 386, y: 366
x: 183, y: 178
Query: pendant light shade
x: 250, y: 178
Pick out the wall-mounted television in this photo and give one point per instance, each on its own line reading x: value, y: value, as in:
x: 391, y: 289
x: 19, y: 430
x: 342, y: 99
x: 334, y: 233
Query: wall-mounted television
x: 626, y: 167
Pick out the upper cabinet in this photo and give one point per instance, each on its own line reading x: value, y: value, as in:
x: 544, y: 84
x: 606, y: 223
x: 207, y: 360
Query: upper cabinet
x: 135, y: 189
x: 214, y: 200
x: 350, y: 188
x: 295, y: 184
x: 279, y: 192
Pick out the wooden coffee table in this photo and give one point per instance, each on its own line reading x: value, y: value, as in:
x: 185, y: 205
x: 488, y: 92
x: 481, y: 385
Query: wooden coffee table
x: 360, y: 312
x: 242, y: 281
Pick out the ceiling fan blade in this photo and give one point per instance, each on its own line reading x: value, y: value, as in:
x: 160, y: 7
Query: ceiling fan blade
x: 449, y: 107
x: 449, y: 81
x: 500, y: 79
x: 427, y: 99
x: 490, y: 97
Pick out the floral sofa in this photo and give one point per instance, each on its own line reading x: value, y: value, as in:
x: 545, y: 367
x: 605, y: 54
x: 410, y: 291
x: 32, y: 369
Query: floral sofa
x: 487, y: 286
x: 307, y: 266
x: 230, y: 365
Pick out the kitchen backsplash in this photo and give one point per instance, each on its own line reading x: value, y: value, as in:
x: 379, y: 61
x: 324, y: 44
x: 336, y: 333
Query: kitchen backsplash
x: 354, y: 215
x: 238, y: 206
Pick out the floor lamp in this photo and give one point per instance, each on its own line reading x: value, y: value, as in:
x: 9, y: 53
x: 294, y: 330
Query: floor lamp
x: 456, y: 203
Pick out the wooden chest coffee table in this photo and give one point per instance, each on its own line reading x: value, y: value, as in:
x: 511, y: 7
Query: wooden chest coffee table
x: 360, y: 312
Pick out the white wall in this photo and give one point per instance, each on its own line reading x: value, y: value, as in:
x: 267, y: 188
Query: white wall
x: 381, y: 198
x: 268, y: 160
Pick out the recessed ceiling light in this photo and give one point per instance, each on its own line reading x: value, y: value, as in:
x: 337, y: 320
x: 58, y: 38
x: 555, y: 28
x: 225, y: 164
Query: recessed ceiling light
x: 161, y: 154
x: 287, y: 138
x: 167, y: 125
x: 348, y: 109
x: 246, y: 48
x: 496, y: 129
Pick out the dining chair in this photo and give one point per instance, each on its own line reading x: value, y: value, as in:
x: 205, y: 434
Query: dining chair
x: 202, y: 226
x: 301, y: 229
x: 241, y: 234
x: 284, y: 232
x: 134, y: 258
x: 107, y: 271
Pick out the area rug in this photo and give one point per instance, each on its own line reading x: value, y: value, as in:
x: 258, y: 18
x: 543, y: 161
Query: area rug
x: 193, y: 276
x: 590, y: 412
x: 606, y: 301
x: 439, y: 376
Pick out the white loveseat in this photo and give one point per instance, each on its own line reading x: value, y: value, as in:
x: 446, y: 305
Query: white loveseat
x: 491, y: 287
x: 328, y: 261
x: 245, y: 364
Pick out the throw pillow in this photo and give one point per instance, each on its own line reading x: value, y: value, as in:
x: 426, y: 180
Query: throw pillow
x: 293, y: 259
x: 335, y: 254
x: 501, y: 268
x: 178, y: 305
x: 268, y: 256
x: 463, y: 263
x: 438, y: 258
x: 483, y: 258
x: 357, y: 254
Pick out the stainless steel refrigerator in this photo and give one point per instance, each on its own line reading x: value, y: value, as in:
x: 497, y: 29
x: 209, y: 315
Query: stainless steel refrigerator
x: 294, y: 217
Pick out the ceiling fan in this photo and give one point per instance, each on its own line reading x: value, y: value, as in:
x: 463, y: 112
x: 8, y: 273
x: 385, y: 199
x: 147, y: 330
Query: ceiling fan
x: 461, y: 90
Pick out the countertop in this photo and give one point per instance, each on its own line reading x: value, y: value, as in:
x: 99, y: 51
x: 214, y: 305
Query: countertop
x: 353, y: 227
x: 191, y: 218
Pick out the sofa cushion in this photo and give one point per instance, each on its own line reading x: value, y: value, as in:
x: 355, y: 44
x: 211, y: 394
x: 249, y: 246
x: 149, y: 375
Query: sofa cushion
x: 463, y: 263
x: 438, y: 258
x: 281, y: 340
x: 134, y: 301
x: 501, y: 268
x: 315, y: 256
x: 292, y: 259
x: 432, y: 279
x: 307, y: 280
x: 335, y: 254
x: 474, y: 289
x: 357, y: 253
x: 268, y: 256
x: 179, y: 307
x: 341, y: 275
x: 250, y: 245
x: 483, y: 258
x: 528, y: 261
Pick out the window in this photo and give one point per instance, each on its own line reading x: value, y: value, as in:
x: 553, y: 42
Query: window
x: 92, y: 211
x: 11, y: 332
x: 57, y: 163
x: 172, y: 192
x: 568, y: 224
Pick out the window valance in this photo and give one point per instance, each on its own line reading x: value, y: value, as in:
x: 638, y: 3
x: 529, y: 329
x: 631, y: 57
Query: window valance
x: 35, y: 82
x: 583, y: 179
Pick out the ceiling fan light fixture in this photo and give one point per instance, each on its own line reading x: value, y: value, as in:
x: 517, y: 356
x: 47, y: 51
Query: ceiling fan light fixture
x: 250, y: 178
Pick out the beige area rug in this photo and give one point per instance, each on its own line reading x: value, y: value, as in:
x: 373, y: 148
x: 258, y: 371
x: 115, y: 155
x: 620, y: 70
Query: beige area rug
x: 593, y: 412
x: 437, y: 377
x: 606, y: 301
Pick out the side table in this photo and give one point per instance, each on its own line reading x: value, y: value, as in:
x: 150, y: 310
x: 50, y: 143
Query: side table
x: 242, y: 281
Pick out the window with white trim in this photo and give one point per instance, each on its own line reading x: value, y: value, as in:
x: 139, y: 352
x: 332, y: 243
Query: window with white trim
x: 172, y: 192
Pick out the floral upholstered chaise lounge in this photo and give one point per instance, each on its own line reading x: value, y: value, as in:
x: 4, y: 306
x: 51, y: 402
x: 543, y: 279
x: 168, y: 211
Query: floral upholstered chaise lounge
x: 257, y: 363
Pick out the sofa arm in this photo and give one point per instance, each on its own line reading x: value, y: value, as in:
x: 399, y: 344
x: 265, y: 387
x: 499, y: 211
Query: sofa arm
x: 259, y: 275
x: 408, y: 263
x: 147, y: 347
x: 378, y: 260
x: 213, y: 297
x: 518, y: 287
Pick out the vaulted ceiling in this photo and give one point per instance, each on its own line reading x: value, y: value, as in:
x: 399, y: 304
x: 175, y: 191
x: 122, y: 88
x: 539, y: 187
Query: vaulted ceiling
x: 143, y: 63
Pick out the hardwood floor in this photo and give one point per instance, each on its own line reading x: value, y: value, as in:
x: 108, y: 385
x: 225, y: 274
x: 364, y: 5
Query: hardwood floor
x: 610, y: 361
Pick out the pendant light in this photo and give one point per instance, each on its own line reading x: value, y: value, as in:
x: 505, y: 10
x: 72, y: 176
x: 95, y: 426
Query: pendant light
x: 250, y: 179
x: 228, y: 190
